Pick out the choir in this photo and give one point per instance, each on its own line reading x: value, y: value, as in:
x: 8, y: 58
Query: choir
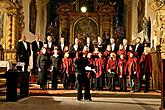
x: 111, y: 66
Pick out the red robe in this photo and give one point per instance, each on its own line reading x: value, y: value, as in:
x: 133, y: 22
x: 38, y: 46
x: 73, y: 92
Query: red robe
x: 100, y: 65
x: 107, y: 54
x: 67, y: 64
x: 132, y: 66
x: 112, y: 65
x: 121, y: 67
x: 146, y: 61
x: 95, y: 54
x: 91, y: 62
x: 122, y: 52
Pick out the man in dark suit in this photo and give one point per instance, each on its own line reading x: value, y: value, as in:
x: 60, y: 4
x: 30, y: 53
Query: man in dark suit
x: 76, y: 47
x: 36, y: 47
x: 23, y: 52
x: 50, y: 45
x: 139, y: 48
x: 113, y: 45
x: 126, y: 47
x: 89, y: 44
x: 61, y: 44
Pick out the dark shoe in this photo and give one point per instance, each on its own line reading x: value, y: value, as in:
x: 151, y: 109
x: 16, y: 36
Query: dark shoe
x: 79, y: 99
x: 88, y: 99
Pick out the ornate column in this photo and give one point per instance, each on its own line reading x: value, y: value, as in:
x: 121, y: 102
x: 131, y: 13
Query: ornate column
x: 9, y: 32
x: 111, y: 26
x: 14, y: 31
x: 101, y: 25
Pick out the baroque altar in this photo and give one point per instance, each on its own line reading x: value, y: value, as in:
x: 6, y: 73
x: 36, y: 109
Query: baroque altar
x: 74, y: 24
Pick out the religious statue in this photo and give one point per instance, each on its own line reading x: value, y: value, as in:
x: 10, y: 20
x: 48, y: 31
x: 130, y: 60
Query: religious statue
x: 145, y: 29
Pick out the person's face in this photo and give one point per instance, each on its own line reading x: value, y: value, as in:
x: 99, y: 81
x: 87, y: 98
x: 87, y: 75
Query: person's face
x: 45, y: 46
x: 121, y: 47
x: 130, y: 48
x: 23, y: 38
x: 37, y: 37
x: 76, y: 41
x: 49, y: 38
x: 88, y: 40
x: 108, y: 47
x: 99, y: 39
x: 138, y: 40
x: 124, y: 41
x: 145, y: 50
x: 62, y: 40
x: 43, y: 50
x: 66, y: 48
x: 67, y: 54
x: 112, y: 40
x: 85, y: 48
x: 100, y: 55
x: 96, y: 49
x: 122, y: 56
x: 89, y: 55
x: 75, y: 47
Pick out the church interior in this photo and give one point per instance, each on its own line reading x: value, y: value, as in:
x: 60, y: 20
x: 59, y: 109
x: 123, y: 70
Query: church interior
x: 120, y: 19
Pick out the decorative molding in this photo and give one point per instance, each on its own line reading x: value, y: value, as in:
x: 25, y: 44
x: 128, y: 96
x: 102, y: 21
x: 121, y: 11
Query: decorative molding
x: 157, y: 4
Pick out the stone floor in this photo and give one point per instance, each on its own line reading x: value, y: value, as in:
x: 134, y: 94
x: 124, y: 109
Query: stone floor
x: 70, y: 103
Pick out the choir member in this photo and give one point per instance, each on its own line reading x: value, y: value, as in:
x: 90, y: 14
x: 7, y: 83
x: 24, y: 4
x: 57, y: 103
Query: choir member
x: 111, y: 69
x: 23, y: 52
x: 146, y: 68
x: 126, y: 47
x: 43, y: 61
x: 91, y: 74
x: 61, y: 44
x: 107, y: 52
x: 106, y: 55
x: 80, y: 64
x: 139, y: 48
x: 121, y: 51
x: 125, y: 44
x: 131, y: 49
x: 36, y: 47
x: 100, y: 44
x: 121, y: 73
x: 95, y: 52
x: 114, y: 48
x: 55, y: 67
x: 132, y: 70
x: 89, y: 44
x: 100, y: 68
x: 85, y: 51
x: 68, y: 71
x: 50, y: 45
x: 75, y: 48
x: 76, y: 73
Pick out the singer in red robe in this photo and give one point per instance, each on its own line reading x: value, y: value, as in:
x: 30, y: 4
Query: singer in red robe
x: 146, y: 69
x: 100, y: 67
x: 121, y: 73
x: 111, y: 68
x: 68, y: 71
x: 132, y: 70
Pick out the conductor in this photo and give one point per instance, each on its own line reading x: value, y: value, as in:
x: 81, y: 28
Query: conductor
x: 82, y: 78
